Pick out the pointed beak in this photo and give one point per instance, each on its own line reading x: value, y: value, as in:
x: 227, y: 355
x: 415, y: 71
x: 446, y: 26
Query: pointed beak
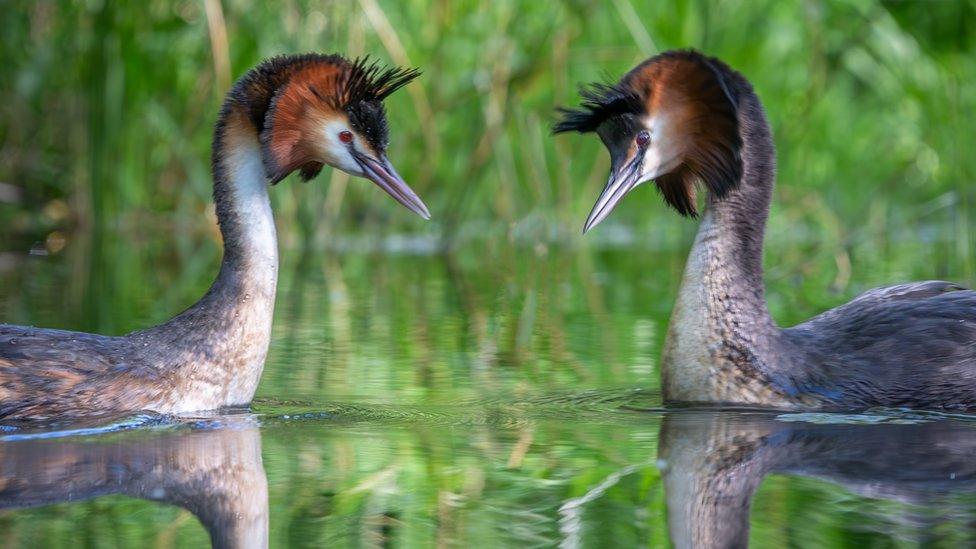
x: 382, y: 173
x: 622, y: 181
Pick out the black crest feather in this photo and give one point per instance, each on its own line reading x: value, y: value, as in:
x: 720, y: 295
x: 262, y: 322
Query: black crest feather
x: 357, y: 87
x: 600, y: 102
x: 704, y: 95
x: 361, y: 92
x: 367, y: 80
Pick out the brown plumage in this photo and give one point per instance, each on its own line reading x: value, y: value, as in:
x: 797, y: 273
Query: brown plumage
x: 289, y: 113
x: 319, y: 89
x: 684, y: 88
x: 300, y: 106
x: 682, y: 118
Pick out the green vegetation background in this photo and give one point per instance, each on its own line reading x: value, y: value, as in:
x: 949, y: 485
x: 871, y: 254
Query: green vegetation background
x: 107, y: 111
x: 105, y: 126
x: 108, y: 107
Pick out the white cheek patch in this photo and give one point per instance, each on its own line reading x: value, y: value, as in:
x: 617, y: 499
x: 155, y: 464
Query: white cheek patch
x: 336, y: 153
x: 664, y: 153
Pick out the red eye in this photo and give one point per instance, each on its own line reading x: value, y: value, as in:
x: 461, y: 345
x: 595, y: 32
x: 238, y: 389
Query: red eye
x: 345, y: 136
x: 643, y: 138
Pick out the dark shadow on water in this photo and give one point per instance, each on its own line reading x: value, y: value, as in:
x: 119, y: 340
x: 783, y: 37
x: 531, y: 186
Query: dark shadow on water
x: 713, y: 462
x: 213, y: 471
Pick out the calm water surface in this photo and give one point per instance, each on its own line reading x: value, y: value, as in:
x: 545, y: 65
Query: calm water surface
x: 498, y: 395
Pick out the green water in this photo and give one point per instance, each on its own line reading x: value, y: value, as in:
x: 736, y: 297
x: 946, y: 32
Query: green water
x: 502, y: 394
x: 489, y: 378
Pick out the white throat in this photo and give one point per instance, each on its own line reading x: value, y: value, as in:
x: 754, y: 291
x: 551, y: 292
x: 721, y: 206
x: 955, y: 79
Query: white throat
x: 251, y: 204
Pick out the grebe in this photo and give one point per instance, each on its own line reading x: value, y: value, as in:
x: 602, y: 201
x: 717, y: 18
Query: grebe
x: 682, y: 120
x: 289, y: 113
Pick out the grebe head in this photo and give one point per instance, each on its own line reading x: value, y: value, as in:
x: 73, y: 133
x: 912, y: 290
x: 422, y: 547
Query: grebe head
x: 672, y: 119
x: 330, y: 111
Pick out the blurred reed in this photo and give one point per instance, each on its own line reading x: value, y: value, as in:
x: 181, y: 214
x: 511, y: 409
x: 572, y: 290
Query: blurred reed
x: 104, y: 147
x: 109, y: 106
x: 106, y: 123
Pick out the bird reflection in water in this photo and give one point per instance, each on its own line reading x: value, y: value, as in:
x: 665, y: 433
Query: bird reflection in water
x: 713, y: 462
x: 214, y: 472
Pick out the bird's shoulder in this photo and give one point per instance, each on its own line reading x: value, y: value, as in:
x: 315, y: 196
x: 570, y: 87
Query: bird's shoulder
x: 31, y: 348
x: 41, y: 366
x: 932, y: 320
x: 915, y: 300
x: 909, y: 291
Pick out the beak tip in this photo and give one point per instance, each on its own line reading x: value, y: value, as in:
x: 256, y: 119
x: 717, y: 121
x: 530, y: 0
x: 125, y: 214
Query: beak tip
x: 383, y: 174
x: 621, y: 182
x: 591, y: 222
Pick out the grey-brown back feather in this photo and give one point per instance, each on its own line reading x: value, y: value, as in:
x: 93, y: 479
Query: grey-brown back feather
x: 911, y: 345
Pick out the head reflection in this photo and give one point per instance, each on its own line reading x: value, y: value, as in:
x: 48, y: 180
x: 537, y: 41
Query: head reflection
x: 215, y: 473
x: 713, y: 462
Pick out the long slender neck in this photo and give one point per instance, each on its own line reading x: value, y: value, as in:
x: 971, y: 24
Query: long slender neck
x: 216, y: 348
x: 721, y: 331
x: 730, y: 237
x: 241, y: 198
